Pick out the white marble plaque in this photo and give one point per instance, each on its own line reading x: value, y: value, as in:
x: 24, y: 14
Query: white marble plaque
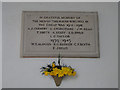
x: 68, y: 33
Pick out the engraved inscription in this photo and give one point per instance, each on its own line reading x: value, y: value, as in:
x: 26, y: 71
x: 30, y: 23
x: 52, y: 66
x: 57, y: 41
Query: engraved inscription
x: 72, y: 34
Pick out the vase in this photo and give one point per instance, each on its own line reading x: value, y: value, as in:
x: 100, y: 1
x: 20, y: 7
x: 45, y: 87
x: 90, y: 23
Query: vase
x: 57, y: 80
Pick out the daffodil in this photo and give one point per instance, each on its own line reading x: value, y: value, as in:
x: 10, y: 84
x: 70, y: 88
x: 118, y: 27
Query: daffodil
x: 61, y: 74
x: 52, y: 73
x: 53, y: 64
x: 70, y: 72
x: 56, y: 70
x: 74, y: 73
x: 65, y: 70
x: 46, y: 73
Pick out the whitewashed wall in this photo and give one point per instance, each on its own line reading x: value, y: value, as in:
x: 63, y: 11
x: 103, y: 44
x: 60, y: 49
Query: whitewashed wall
x: 91, y: 72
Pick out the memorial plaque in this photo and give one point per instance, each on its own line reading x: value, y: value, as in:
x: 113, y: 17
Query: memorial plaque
x: 68, y: 33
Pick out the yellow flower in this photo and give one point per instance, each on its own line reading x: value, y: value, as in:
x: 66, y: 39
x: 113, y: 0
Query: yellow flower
x: 55, y: 74
x: 56, y: 70
x: 61, y: 74
x: 65, y: 70
x: 46, y: 73
x: 74, y: 73
x: 51, y: 73
x: 70, y: 72
x: 53, y: 64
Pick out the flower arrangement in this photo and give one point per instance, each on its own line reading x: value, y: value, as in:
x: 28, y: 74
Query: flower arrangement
x: 58, y: 71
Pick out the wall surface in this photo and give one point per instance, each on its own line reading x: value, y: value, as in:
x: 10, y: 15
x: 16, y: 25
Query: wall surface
x: 91, y: 72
